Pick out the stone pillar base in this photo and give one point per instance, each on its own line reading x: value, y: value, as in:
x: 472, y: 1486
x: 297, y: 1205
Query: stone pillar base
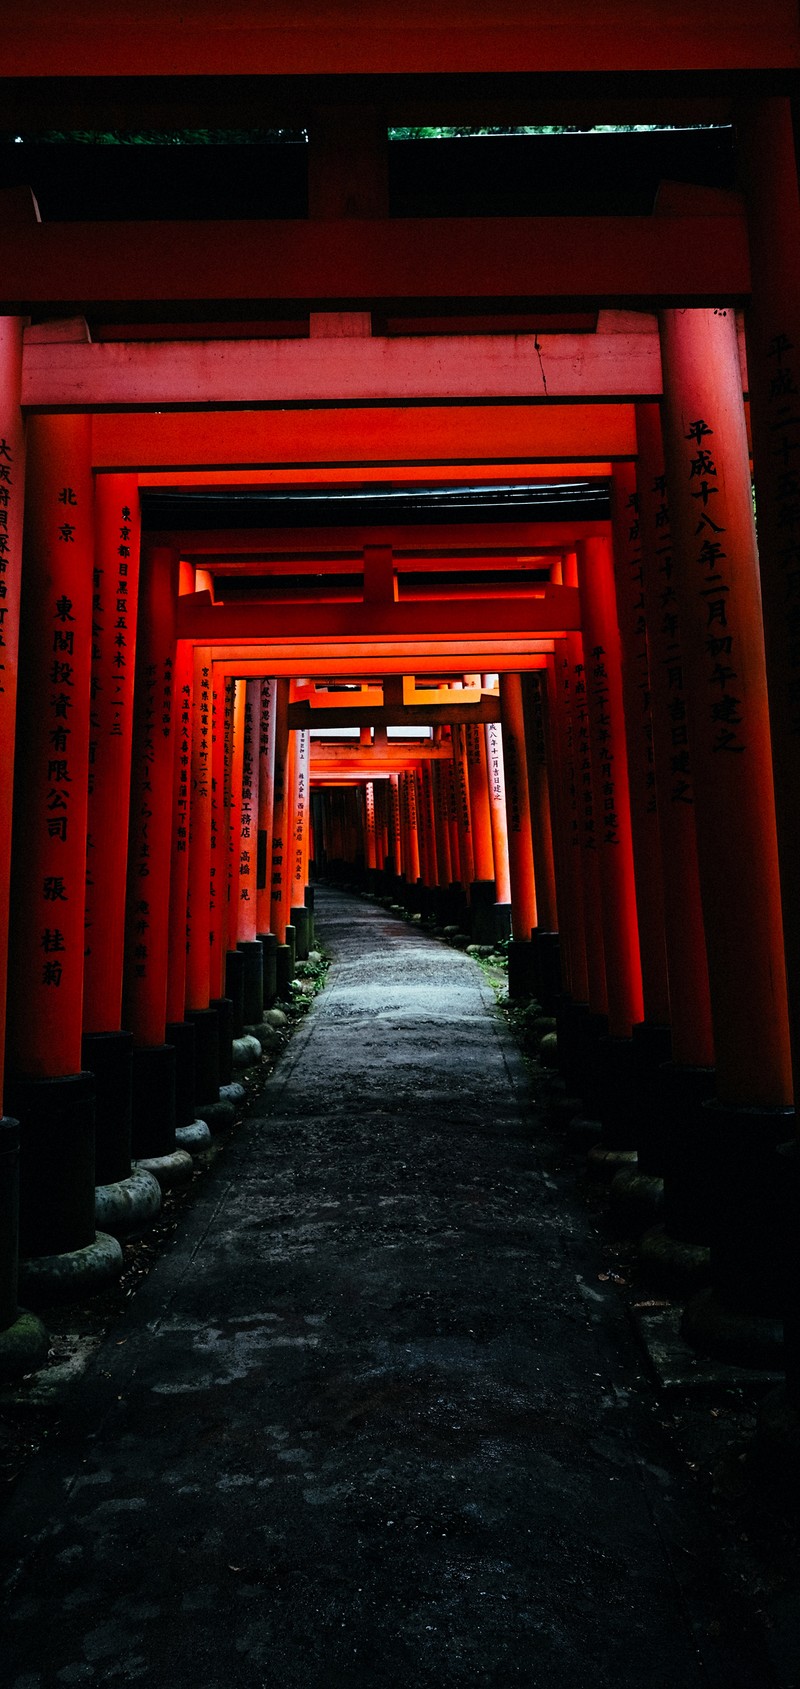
x: 741, y: 1338
x: 246, y: 1051
x: 23, y: 1347
x: 604, y: 1164
x: 170, y: 1170
x: 637, y: 1199
x: 284, y: 967
x: 128, y: 1205
x: 219, y: 1116
x: 56, y: 1162
x: 672, y: 1265
x: 75, y: 1273
x: 194, y: 1138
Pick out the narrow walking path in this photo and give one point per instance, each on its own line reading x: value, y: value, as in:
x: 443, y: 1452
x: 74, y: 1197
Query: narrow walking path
x: 369, y: 1423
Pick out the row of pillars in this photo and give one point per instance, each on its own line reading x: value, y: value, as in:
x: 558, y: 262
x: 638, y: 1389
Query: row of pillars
x: 156, y: 845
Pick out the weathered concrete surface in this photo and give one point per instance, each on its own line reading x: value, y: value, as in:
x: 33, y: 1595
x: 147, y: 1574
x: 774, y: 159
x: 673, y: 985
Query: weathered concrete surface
x: 373, y: 1421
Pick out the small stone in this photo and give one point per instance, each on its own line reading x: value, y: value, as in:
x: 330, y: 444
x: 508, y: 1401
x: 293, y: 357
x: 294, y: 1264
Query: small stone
x: 548, y: 1049
x: 315, y: 957
x: 275, y: 1017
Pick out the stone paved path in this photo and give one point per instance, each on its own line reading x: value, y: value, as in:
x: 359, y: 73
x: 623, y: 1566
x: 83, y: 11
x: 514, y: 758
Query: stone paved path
x: 372, y: 1422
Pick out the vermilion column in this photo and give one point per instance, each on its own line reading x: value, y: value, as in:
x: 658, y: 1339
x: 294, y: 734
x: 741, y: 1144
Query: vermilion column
x: 461, y: 777
x: 179, y: 876
x: 147, y: 912
x: 198, y: 954
x: 266, y: 789
x: 409, y: 787
x: 369, y: 815
x: 440, y: 805
x: 497, y: 811
x: 679, y: 1136
x: 718, y: 591
x: 46, y: 1089
x: 772, y: 324
x: 539, y: 790
x: 480, y: 813
x: 578, y: 712
x: 610, y: 783
x: 279, y: 862
x: 395, y: 829
x: 520, y: 847
x: 12, y: 499
x: 244, y: 888
x: 568, y: 862
x: 107, y: 1050
x: 630, y: 608
x: 298, y: 839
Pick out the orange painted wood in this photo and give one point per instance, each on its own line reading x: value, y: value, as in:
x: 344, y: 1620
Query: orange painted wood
x: 636, y: 688
x: 479, y: 808
x: 147, y: 914
x: 539, y: 793
x: 603, y: 677
x: 687, y: 965
x: 221, y: 936
x: 391, y: 434
x: 567, y: 830
x: 198, y: 952
x: 266, y: 790
x: 495, y: 772
x: 518, y: 811
x: 12, y: 500
x: 49, y: 825
x: 301, y: 40
x: 718, y: 591
x: 195, y: 373
x: 466, y: 855
x: 179, y: 872
x: 581, y: 755
x: 279, y: 865
x: 556, y: 609
x: 595, y: 259
x: 114, y: 617
x: 772, y: 325
x: 247, y: 924
x: 299, y: 819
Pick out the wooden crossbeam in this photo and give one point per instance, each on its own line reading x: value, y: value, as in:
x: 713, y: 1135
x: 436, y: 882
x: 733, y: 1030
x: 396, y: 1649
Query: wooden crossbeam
x: 382, y: 715
x: 383, y: 261
x: 429, y: 621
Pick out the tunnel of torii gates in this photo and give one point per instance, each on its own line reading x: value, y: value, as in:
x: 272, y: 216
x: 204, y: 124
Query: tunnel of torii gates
x: 577, y: 732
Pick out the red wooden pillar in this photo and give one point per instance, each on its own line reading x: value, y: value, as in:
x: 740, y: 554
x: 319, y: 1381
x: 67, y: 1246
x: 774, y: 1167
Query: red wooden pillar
x: 46, y: 1089
x: 23, y: 1340
x: 179, y: 874
x: 147, y: 909
x: 266, y: 793
x: 409, y: 786
x: 497, y: 811
x: 201, y: 986
x: 298, y: 840
x: 443, y: 853
x: 679, y: 1133
x: 610, y: 782
x: 630, y: 609
x: 718, y: 593
x: 545, y: 938
x: 520, y: 847
x: 279, y: 870
x: 370, y: 853
x: 125, y: 1200
x: 483, y: 891
x: 223, y: 959
x: 395, y: 828
x: 568, y: 832
x: 465, y: 850
x: 244, y: 889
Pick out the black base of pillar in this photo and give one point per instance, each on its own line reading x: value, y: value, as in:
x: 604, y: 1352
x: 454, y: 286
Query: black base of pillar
x: 9, y: 1219
x: 614, y: 1094
x: 548, y: 967
x: 753, y: 1227
x: 223, y: 1009
x: 482, y: 905
x: 56, y: 1166
x: 153, y: 1128
x: 521, y: 968
x: 652, y: 1048
x: 253, y: 984
x: 284, y: 965
x: 300, y: 922
x: 291, y: 940
x: 206, y: 1055
x: 180, y: 1034
x: 579, y: 1030
x: 109, y: 1056
x: 269, y: 945
x: 234, y: 988
x: 684, y: 1143
x: 309, y: 903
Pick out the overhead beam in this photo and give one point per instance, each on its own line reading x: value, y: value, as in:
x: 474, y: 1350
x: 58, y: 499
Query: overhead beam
x: 237, y: 544
x: 391, y: 435
x: 382, y: 715
x: 382, y: 261
x: 556, y: 609
x: 341, y: 660
x: 127, y: 376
